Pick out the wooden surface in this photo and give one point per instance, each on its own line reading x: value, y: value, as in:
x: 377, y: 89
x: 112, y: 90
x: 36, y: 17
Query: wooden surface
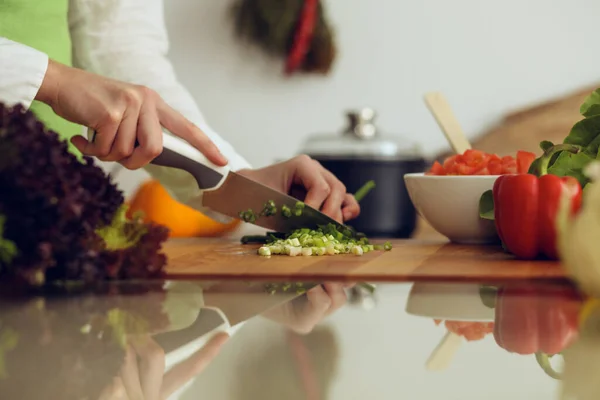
x: 409, y: 260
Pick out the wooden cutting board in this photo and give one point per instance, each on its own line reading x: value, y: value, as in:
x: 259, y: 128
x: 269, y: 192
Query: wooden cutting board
x: 409, y: 260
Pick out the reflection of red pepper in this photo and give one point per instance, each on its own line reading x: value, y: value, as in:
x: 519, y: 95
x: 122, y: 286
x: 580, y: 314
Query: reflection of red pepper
x: 303, y: 35
x: 540, y: 319
x: 525, y: 208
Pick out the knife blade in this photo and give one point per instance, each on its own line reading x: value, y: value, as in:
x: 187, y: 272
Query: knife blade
x: 226, y: 304
x: 238, y: 193
x: 228, y: 193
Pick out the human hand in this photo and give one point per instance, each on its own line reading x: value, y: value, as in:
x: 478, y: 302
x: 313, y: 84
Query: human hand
x: 324, y: 191
x: 120, y: 113
x: 142, y: 374
x: 302, y: 314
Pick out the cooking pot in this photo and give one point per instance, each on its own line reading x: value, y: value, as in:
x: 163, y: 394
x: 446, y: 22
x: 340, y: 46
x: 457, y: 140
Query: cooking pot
x: 361, y: 153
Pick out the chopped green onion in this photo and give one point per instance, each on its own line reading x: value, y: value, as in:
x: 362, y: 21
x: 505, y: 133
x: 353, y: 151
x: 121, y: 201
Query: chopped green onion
x: 264, y: 251
x: 247, y: 216
x: 357, y: 251
x: 269, y: 209
x: 299, y: 205
x: 364, y: 190
x: 317, y: 241
x: 326, y: 240
x: 285, y: 211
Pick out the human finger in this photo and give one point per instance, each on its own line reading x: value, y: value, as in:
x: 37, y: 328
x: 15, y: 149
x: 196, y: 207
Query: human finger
x: 350, y: 207
x: 183, y: 372
x: 178, y: 125
x: 337, y: 294
x: 104, y: 136
x: 151, y: 366
x: 130, y: 375
x: 315, y: 307
x: 333, y: 204
x: 124, y: 142
x: 149, y: 136
x: 307, y: 173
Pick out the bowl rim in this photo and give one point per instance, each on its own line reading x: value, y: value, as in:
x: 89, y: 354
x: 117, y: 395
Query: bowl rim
x: 424, y: 176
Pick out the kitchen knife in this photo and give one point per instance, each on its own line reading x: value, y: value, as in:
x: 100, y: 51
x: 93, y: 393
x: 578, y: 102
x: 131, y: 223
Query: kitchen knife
x: 229, y: 193
x: 226, y: 305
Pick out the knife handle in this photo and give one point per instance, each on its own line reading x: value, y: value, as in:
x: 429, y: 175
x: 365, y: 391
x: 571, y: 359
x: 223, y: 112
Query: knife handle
x: 177, y: 153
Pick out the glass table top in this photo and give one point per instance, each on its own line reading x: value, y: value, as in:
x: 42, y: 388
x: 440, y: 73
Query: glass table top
x: 316, y: 341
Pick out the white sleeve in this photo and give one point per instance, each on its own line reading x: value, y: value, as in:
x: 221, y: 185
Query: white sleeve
x: 22, y: 71
x: 127, y: 40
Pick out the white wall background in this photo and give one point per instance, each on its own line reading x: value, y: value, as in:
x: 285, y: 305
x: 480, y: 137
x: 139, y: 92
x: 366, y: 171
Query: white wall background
x: 488, y: 57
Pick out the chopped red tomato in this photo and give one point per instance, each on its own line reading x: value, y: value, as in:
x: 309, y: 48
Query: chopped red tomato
x: 495, y: 167
x: 471, y: 331
x: 476, y: 162
x: 524, y: 161
x: 437, y: 169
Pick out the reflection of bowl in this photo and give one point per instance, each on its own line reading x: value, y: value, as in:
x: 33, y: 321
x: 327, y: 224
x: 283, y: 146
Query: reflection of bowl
x: 450, y: 204
x: 448, y: 301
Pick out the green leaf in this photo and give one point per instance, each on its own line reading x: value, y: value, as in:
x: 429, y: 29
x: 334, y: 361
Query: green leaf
x: 586, y: 133
x: 486, y: 205
x: 546, y: 144
x: 569, y: 164
x: 591, y: 105
x: 122, y: 233
x: 534, y: 168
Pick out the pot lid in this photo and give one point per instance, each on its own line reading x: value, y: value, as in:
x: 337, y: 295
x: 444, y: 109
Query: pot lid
x: 360, y: 138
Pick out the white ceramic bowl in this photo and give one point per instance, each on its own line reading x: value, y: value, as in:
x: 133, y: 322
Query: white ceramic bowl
x: 448, y: 301
x: 450, y: 204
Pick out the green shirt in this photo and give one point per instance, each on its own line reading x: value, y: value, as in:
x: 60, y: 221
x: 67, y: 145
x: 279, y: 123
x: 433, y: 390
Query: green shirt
x: 42, y: 25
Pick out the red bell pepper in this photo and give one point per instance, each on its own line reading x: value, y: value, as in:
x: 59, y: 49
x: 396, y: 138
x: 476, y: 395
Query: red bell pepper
x: 538, y: 319
x: 303, y: 35
x: 525, y: 209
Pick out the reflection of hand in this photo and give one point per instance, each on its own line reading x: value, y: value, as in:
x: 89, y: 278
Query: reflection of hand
x: 303, y: 313
x: 142, y: 375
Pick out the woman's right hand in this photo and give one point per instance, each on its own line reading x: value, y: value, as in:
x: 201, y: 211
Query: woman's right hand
x: 120, y: 113
x: 143, y: 374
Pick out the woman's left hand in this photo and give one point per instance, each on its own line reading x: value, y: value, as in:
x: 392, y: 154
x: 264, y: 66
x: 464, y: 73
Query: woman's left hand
x: 302, y: 314
x: 324, y: 191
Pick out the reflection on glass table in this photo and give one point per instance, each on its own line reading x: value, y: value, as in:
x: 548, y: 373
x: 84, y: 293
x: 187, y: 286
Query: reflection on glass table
x: 275, y: 340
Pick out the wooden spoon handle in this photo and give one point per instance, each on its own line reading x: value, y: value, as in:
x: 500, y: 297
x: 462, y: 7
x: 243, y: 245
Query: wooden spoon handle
x: 439, y: 107
x: 443, y: 354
